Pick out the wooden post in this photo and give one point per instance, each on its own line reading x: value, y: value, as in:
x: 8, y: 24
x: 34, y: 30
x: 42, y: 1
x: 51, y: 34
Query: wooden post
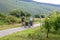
x: 40, y: 30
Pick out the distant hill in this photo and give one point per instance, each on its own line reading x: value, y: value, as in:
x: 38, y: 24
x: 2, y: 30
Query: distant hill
x: 26, y: 5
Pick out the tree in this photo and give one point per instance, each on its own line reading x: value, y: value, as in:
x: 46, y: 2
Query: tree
x: 27, y: 14
x: 47, y: 25
x: 52, y: 21
x: 37, y: 16
x: 57, y: 23
x: 22, y: 13
x: 16, y: 13
x: 42, y: 16
x: 55, y: 18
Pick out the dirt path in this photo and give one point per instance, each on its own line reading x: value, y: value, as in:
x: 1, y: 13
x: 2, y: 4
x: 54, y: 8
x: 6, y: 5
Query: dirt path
x: 13, y: 30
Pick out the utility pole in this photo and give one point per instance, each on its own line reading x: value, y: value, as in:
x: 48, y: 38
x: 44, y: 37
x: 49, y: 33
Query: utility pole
x: 40, y: 29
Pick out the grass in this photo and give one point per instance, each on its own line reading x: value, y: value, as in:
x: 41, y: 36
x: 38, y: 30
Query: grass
x: 37, y: 20
x: 3, y: 27
x: 31, y: 34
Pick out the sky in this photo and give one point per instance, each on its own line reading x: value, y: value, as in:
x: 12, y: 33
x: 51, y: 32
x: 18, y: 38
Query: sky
x: 49, y: 1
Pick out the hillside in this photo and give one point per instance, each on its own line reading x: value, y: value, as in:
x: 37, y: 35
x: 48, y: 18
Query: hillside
x: 30, y: 6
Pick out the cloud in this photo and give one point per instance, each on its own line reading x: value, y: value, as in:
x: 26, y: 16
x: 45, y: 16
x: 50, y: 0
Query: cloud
x: 49, y: 1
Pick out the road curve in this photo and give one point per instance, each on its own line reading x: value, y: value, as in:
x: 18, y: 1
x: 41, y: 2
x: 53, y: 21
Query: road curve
x: 13, y: 30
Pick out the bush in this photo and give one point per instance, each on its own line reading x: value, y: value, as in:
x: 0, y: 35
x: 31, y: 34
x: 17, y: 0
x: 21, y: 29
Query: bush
x: 11, y: 19
x: 15, y: 13
x: 27, y: 14
x: 53, y: 21
x: 47, y: 25
x: 37, y: 16
x: 2, y: 19
x: 22, y: 13
x: 8, y: 19
x: 42, y: 16
x: 2, y: 16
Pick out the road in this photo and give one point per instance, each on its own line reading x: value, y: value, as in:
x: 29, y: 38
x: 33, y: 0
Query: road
x: 13, y: 30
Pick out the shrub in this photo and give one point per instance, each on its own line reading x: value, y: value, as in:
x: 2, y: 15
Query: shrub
x: 22, y: 13
x: 2, y: 16
x: 37, y: 16
x: 15, y: 13
x: 11, y: 19
x: 27, y: 14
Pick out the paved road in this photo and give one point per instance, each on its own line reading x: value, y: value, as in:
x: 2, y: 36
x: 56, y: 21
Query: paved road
x: 13, y: 30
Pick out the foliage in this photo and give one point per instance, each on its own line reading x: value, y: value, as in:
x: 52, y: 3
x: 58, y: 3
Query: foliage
x: 27, y: 14
x: 2, y: 19
x: 32, y: 7
x: 11, y: 19
x: 7, y: 19
x: 16, y: 13
x: 42, y: 16
x: 47, y: 25
x: 37, y: 16
x: 22, y: 13
x: 57, y: 23
x: 52, y: 21
x: 2, y: 16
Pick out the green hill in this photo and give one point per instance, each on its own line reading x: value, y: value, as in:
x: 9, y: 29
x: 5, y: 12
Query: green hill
x: 32, y: 7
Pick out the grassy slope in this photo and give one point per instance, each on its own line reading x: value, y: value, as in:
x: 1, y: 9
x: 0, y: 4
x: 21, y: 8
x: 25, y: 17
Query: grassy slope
x: 7, y: 5
x: 24, y: 35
